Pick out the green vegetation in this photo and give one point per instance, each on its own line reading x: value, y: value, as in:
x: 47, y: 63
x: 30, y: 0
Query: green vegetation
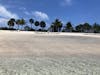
x: 56, y: 26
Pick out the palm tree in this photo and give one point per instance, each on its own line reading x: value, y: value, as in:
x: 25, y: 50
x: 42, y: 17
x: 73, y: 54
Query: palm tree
x: 11, y: 23
x: 86, y: 27
x: 31, y: 22
x: 79, y: 28
x: 12, y: 19
x: 27, y: 28
x: 57, y: 25
x: 22, y: 23
x: 69, y: 27
x: 42, y: 25
x: 36, y: 24
x: 18, y: 23
x: 51, y: 28
x: 96, y: 28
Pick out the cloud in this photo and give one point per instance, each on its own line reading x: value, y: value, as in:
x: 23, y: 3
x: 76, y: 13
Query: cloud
x: 27, y: 13
x: 4, y: 13
x: 66, y: 3
x: 40, y: 15
x: 3, y: 22
x: 22, y: 8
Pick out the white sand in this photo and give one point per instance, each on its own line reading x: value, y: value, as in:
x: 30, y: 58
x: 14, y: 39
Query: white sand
x: 35, y: 53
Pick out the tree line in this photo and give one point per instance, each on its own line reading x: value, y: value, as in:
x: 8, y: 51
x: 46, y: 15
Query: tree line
x: 22, y: 23
x: 56, y: 26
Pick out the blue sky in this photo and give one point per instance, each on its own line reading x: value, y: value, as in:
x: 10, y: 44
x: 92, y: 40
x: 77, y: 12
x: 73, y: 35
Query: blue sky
x: 76, y: 11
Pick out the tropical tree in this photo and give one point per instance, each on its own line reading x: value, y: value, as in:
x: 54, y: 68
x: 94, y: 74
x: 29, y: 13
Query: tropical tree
x: 31, y: 22
x: 51, y: 28
x: 79, y: 28
x: 96, y: 28
x: 27, y: 28
x: 57, y: 25
x: 11, y: 23
x: 18, y: 23
x: 60, y: 25
x: 42, y: 25
x: 69, y: 27
x: 36, y: 23
x: 87, y: 27
x: 22, y: 23
x: 12, y: 19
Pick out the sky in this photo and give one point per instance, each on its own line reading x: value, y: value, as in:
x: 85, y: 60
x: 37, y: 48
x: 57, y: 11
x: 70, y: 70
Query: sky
x: 75, y: 11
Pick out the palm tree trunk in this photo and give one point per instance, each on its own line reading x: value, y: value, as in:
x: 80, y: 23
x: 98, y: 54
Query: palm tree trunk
x: 22, y: 28
x: 31, y: 26
x: 9, y: 27
x: 42, y: 28
x: 18, y: 27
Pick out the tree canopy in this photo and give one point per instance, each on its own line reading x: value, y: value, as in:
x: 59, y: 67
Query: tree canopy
x: 56, y: 26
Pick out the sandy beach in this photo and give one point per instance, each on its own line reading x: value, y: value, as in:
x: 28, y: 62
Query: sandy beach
x: 37, y: 53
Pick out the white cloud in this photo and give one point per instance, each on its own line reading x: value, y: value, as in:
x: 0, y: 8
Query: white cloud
x: 40, y: 15
x: 66, y: 3
x: 22, y: 8
x: 3, y: 22
x: 27, y: 13
x: 4, y: 13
